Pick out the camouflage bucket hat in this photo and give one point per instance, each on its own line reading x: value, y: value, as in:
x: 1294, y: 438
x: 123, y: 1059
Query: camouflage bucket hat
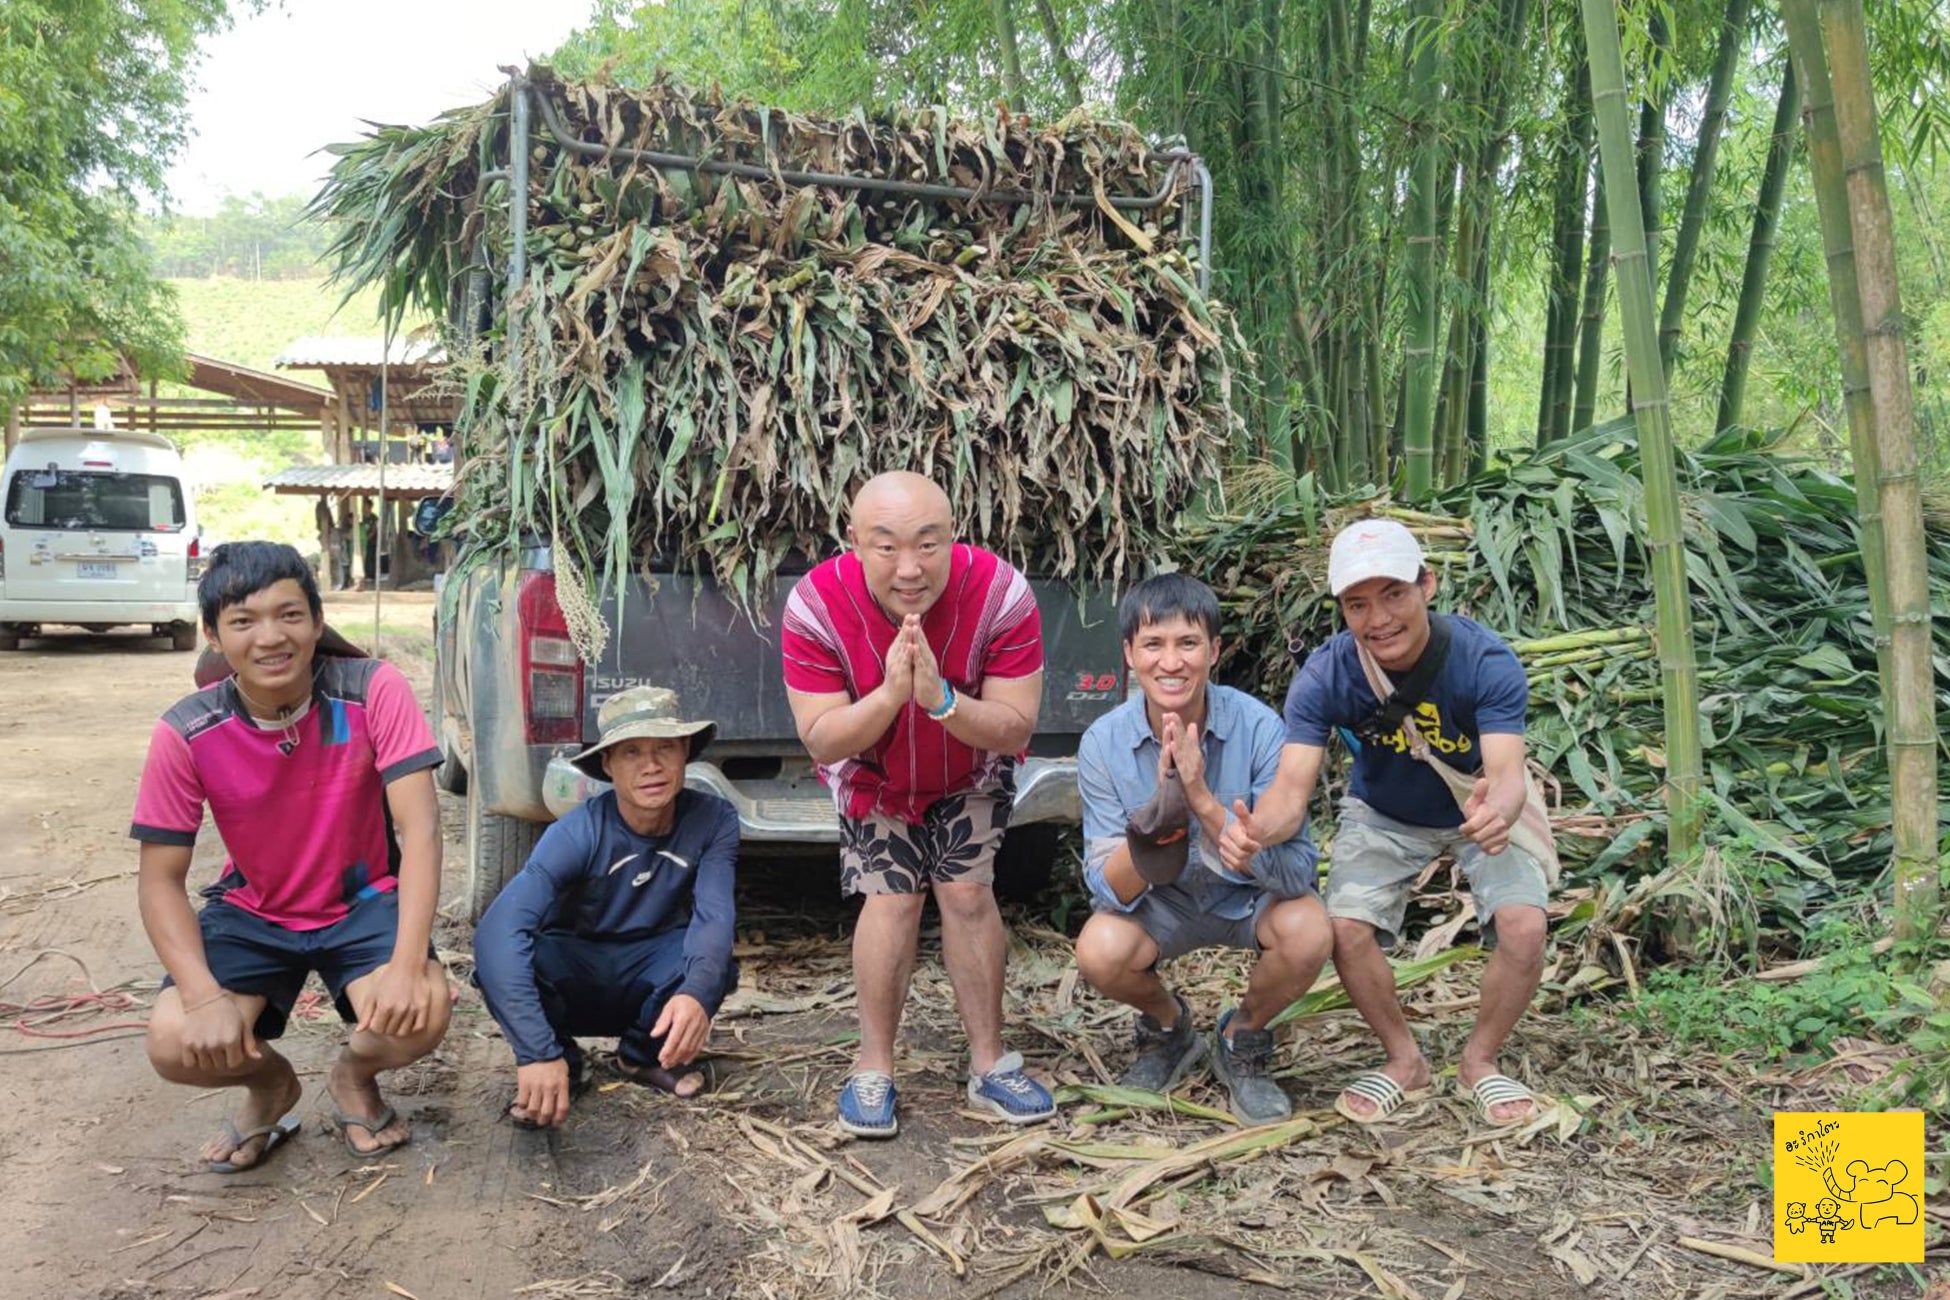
x: 641, y: 713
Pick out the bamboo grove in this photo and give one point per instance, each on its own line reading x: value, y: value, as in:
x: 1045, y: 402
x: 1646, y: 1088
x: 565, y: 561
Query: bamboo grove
x: 1459, y: 241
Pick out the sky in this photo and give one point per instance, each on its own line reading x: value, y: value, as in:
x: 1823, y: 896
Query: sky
x: 305, y: 73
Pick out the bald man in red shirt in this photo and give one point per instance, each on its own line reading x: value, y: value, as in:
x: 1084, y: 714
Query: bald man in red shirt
x: 914, y: 666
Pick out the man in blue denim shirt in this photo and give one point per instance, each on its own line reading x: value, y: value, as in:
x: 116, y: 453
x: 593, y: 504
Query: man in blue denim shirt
x: 1225, y: 747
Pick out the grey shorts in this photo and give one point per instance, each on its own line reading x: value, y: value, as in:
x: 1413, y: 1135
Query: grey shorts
x: 1176, y: 923
x: 1376, y: 860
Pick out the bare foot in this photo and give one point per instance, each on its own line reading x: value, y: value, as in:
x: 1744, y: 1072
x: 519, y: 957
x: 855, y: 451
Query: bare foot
x: 358, y: 1097
x: 1514, y: 1111
x: 1408, y: 1075
x: 264, y: 1103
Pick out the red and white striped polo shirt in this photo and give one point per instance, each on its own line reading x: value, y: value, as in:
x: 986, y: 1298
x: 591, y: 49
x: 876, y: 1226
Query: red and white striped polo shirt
x: 835, y: 638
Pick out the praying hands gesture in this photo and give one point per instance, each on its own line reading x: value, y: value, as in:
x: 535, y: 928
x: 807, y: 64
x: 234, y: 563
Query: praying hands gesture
x: 930, y: 692
x: 1181, y: 750
x: 898, y: 684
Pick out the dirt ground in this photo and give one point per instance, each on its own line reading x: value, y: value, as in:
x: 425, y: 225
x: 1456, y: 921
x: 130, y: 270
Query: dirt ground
x: 755, y: 1193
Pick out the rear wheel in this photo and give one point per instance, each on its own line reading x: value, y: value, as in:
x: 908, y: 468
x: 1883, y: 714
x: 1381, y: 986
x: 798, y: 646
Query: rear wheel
x: 1026, y: 860
x: 182, y: 636
x: 497, y: 847
x: 9, y: 638
x: 451, y: 775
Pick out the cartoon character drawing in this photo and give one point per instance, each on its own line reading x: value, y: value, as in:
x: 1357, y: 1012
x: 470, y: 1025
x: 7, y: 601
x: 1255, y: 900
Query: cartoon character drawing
x: 1873, y: 1192
x: 1828, y: 1217
x: 1797, y: 1217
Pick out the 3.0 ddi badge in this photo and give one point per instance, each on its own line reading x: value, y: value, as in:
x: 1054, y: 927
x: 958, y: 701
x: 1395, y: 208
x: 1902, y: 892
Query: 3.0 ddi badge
x: 1848, y: 1187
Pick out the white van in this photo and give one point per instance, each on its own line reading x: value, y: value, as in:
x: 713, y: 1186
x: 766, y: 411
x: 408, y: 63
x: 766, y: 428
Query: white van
x: 97, y: 530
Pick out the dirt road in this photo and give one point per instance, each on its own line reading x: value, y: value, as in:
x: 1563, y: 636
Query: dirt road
x: 753, y: 1193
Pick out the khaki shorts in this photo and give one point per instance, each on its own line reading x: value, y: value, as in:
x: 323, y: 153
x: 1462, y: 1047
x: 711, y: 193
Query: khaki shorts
x: 955, y: 842
x: 1376, y: 860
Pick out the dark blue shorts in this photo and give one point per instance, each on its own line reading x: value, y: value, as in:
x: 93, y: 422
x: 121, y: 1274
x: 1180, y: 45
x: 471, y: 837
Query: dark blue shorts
x: 248, y: 954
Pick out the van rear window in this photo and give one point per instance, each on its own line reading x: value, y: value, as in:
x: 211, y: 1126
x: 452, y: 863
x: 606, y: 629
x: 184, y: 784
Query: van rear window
x: 109, y: 502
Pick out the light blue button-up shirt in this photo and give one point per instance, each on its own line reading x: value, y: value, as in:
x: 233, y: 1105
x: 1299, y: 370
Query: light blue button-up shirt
x: 1117, y: 773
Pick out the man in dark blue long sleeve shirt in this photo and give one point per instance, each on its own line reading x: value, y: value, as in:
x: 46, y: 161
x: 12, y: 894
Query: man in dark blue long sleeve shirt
x: 622, y: 921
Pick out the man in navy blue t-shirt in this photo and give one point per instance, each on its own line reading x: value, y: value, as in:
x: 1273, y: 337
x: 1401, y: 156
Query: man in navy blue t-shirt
x: 621, y: 924
x: 1399, y: 813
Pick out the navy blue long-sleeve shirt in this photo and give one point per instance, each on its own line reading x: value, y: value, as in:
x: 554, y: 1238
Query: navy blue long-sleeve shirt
x: 594, y: 877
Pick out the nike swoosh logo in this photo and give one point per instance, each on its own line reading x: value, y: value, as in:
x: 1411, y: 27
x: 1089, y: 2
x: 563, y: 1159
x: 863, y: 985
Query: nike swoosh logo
x: 622, y: 862
x: 643, y: 876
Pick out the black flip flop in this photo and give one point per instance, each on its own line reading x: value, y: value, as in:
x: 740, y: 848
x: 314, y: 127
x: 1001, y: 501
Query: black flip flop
x: 665, y: 1081
x: 374, y: 1126
x: 274, y: 1135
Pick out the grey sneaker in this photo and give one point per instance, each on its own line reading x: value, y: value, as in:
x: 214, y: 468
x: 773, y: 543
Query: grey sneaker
x: 1242, y: 1066
x: 1165, y: 1057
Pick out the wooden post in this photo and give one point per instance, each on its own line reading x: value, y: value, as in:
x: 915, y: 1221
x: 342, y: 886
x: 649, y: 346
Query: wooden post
x: 322, y: 514
x: 342, y: 451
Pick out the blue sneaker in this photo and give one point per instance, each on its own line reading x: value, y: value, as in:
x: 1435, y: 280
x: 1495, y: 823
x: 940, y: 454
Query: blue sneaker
x: 1010, y: 1095
x: 867, y: 1105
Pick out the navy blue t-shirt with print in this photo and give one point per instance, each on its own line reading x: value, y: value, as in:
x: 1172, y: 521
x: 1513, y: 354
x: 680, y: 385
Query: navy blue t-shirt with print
x: 1480, y: 691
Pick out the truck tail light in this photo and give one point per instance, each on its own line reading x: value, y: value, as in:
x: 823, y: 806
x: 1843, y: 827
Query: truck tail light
x: 551, y: 670
x: 3, y: 559
x: 195, y: 558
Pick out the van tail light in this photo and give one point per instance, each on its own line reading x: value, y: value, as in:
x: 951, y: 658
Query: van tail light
x: 196, y: 558
x: 3, y: 559
x: 551, y: 670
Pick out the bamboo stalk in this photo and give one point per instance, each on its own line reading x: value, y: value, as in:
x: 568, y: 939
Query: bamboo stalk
x: 1651, y: 157
x: 1838, y: 248
x: 1477, y: 436
x: 1653, y: 415
x: 1692, y: 219
x: 1597, y: 276
x: 1005, y: 39
x: 1567, y: 243
x: 1425, y: 307
x: 1912, y: 727
x: 1760, y: 250
x: 1066, y: 70
x: 1571, y: 255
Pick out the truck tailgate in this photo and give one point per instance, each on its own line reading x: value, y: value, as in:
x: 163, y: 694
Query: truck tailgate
x: 682, y: 632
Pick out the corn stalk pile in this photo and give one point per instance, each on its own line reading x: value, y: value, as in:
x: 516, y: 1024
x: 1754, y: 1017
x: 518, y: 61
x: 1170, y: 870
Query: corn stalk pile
x: 1544, y: 551
x: 702, y: 368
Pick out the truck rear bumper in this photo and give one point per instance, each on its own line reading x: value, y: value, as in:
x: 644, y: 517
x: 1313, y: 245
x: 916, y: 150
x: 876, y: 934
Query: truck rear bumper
x: 802, y: 812
x: 114, y: 612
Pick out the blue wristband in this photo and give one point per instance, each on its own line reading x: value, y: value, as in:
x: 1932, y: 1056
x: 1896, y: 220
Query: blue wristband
x: 947, y: 705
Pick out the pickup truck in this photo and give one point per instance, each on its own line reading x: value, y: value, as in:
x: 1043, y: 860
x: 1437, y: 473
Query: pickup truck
x: 513, y: 699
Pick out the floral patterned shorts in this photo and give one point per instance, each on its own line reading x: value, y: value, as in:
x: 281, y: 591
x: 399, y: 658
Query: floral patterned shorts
x: 956, y: 840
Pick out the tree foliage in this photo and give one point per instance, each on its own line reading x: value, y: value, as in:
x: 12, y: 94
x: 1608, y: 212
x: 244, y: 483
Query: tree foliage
x: 91, y: 99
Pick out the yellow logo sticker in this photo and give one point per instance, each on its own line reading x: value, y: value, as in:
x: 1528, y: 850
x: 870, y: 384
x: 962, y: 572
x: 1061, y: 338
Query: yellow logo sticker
x: 1848, y: 1187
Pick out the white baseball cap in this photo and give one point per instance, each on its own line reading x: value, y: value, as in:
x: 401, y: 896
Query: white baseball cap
x: 1372, y: 548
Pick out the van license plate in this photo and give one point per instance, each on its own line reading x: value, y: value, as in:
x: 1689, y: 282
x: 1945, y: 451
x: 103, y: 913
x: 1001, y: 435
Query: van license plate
x: 102, y: 569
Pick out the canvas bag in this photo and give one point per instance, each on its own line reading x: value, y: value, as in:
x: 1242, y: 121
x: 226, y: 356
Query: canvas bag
x: 1532, y: 833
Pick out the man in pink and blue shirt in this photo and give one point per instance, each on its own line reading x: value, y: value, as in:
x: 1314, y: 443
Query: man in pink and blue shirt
x: 317, y: 772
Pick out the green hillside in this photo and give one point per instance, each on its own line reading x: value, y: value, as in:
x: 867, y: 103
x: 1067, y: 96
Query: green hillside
x: 250, y: 322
